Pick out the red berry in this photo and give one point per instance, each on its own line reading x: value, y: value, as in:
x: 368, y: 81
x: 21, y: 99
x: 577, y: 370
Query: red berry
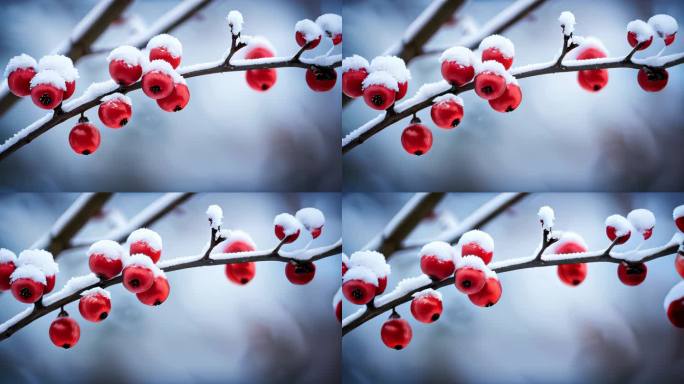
x: 70, y: 89
x: 572, y: 274
x: 358, y: 291
x: 19, y: 81
x: 379, y: 97
x: 352, y: 82
x: 416, y: 139
x: 447, y: 113
x: 50, y: 283
x: 489, y: 85
x: 593, y: 80
x: 509, y: 101
x: 137, y: 278
x: 46, y: 96
x: 338, y: 311
x: 632, y: 273
x: 84, y: 138
x: 146, y: 242
x: 488, y: 295
x: 652, y: 79
x: 669, y: 39
x: 27, y: 290
x: 177, y: 100
x: 258, y: 52
x: 300, y: 272
x: 157, y: 294
x: 675, y: 312
x: 396, y: 333
x: 382, y: 285
x: 590, y: 53
x: 403, y: 88
x: 679, y: 264
x: 435, y: 267
x: 301, y: 41
x: 157, y: 84
x: 280, y: 234
x: 457, y: 74
x: 241, y: 273
x: 611, y: 233
x: 474, y: 249
x: 344, y: 268
x: 496, y: 55
x: 161, y: 53
x: 315, y: 232
x: 115, y: 113
x: 632, y: 40
x: 679, y: 222
x: 6, y: 270
x: 469, y: 280
x: 104, y: 267
x: 95, y: 307
x: 426, y: 308
x: 321, y: 79
x: 261, y: 79
x: 64, y: 331
x: 124, y: 74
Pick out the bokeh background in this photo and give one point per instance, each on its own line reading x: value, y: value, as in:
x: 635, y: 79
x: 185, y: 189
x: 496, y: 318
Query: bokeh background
x: 561, y: 138
x: 541, y: 331
x: 209, y: 330
x: 229, y: 137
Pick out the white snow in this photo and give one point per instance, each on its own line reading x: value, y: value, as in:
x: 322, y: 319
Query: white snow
x: 440, y: 249
x: 140, y: 260
x: 16, y: 318
x: 72, y: 286
x: 547, y: 217
x: 427, y: 293
x: 96, y: 291
x: 7, y: 256
x: 459, y: 55
x: 148, y: 236
x: 373, y: 260
x: 309, y: 30
x: 330, y: 22
x: 235, y: 21
x: 322, y: 60
x: 675, y: 293
x: 404, y: 287
x: 348, y: 138
x: 353, y: 316
x: 307, y: 254
x: 568, y: 237
x: 584, y: 43
x: 164, y: 67
x: 311, y: 218
x: 239, y: 235
x: 393, y: 65
x: 380, y: 78
x: 215, y: 215
x: 126, y: 53
x: 60, y: 64
x: 621, y: 225
x: 678, y: 212
x: 289, y: 223
x: 425, y: 92
x: 41, y: 259
x: 500, y: 43
x: 663, y: 25
x: 481, y: 238
x: 470, y: 261
x: 567, y: 21
x: 641, y: 219
x: 94, y: 91
x: 449, y: 97
x: 108, y: 248
x: 28, y: 271
x: 362, y: 273
x: 354, y: 62
x: 257, y: 41
x: 168, y: 42
x: 117, y: 96
x: 493, y: 66
x: 490, y: 274
x: 48, y: 76
x: 642, y: 30
x: 21, y: 61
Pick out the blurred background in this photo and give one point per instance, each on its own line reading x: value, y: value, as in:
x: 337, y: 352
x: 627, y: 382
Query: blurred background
x: 229, y: 137
x: 561, y: 138
x: 209, y: 330
x: 541, y: 331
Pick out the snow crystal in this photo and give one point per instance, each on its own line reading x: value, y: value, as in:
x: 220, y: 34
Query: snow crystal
x: 393, y: 65
x: 289, y: 223
x: 380, y: 78
x: 584, y: 43
x: 354, y: 62
x: 427, y: 293
x: 641, y: 219
x: 481, y: 238
x: 642, y: 31
x: 448, y: 97
x: 257, y: 41
x: 362, y: 273
x: 502, y: 44
x: 238, y: 235
x: 441, y: 249
x: 664, y: 25
x: 373, y: 260
x: 235, y: 21
x: 678, y: 212
x: 21, y: 61
x: 460, y: 55
x: 126, y: 53
x: 117, y: 96
x: 108, y: 248
x: 93, y: 91
x: 493, y: 66
x: 60, y: 64
x: 331, y: 23
x: 547, y: 217
x: 28, y: 271
x: 72, y: 286
x: 311, y: 218
x: 148, y: 236
x: 337, y: 298
x: 676, y: 293
x: 168, y: 42
x: 569, y: 237
x: 470, y: 261
x: 404, y: 287
x: 48, y: 77
x: 425, y: 92
x: 309, y: 30
x: 39, y: 258
x: 353, y: 316
x: 215, y: 215
x: 7, y: 256
x: 97, y: 291
x: 567, y: 21
x: 621, y: 225
x: 164, y: 67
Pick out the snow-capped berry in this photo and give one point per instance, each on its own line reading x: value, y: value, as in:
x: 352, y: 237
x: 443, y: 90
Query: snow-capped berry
x: 337, y: 304
x: 546, y: 217
x: 639, y: 33
x: 312, y: 219
x: 331, y: 24
x: 28, y: 283
x: 286, y: 227
x: 235, y: 20
x: 498, y: 48
x: 84, y: 137
x: 64, y: 331
x: 147, y: 242
x: 652, y: 79
x: 375, y: 261
x: 571, y: 274
x: 307, y: 34
x: 240, y: 273
x: 158, y: 292
x: 47, y: 89
x: 115, y: 110
x: 674, y: 305
x: 426, y: 306
x: 476, y: 243
x: 437, y: 260
x: 44, y: 261
x: 632, y: 273
x: 490, y: 293
x: 8, y: 263
x: 678, y: 217
x: 64, y: 67
x: 300, y: 272
x: 665, y: 26
x: 165, y: 47
x: 379, y: 90
x: 359, y: 285
x: 679, y: 263
x: 509, y: 101
x: 592, y: 80
x: 470, y: 274
x: 19, y: 72
x: 138, y: 273
x: 158, y: 80
x: 617, y: 227
x: 643, y: 221
x: 567, y: 22
x: 95, y: 304
x: 105, y: 259
x: 416, y: 139
x: 447, y: 111
x: 177, y: 100
x: 396, y: 332
x: 125, y: 64
x: 354, y: 71
x: 260, y: 80
x: 491, y: 79
x: 396, y: 67
x: 320, y: 79
x: 457, y: 65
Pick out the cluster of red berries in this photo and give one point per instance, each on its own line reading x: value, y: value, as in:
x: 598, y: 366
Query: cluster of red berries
x: 48, y: 81
x: 29, y: 276
x: 640, y: 36
x: 308, y: 35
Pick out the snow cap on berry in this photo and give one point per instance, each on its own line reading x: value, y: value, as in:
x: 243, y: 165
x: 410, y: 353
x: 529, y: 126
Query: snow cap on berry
x: 257, y: 41
x: 678, y: 212
x: 126, y: 53
x: 502, y: 44
x: 380, y: 78
x: 117, y: 96
x: 354, y: 62
x: 642, y: 31
x: 428, y: 293
x: 289, y: 223
x: 39, y: 258
x: 28, y: 271
x: 164, y: 67
x: 493, y: 66
x: 148, y: 236
x: 547, y: 217
x: 663, y: 25
x: 168, y: 42
x: 470, y: 261
x: 140, y: 260
x: 239, y: 235
x: 60, y: 64
x: 567, y: 22
x: 481, y: 238
x: 7, y: 256
x: 491, y: 274
x: 49, y: 77
x: 676, y: 293
x: 110, y: 249
x: 309, y: 30
x: 568, y: 237
x: 215, y: 215
x: 20, y: 62
x: 584, y: 43
x: 641, y: 219
x: 235, y: 21
x: 96, y: 291
x: 311, y: 218
x: 621, y: 225
x: 375, y: 261
x: 330, y: 23
x: 449, y: 97
x: 459, y: 55
x: 440, y: 249
x: 362, y: 273
x: 393, y: 65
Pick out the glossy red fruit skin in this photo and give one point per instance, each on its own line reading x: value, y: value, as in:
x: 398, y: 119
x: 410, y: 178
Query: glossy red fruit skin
x: 474, y: 249
x: 416, y: 139
x: 337, y: 39
x: 379, y: 97
x: 592, y: 80
x: 157, y: 85
x: 84, y: 138
x: 177, y: 100
x: 679, y: 264
x: 316, y: 232
x: 446, y: 114
x: 27, y: 291
x: 509, y: 101
x: 396, y: 333
x: 301, y: 41
x: 652, y: 80
x: 241, y: 273
x: 647, y: 233
x: 300, y: 273
x: 124, y: 74
x: 144, y: 248
x: 321, y: 80
x: 457, y: 74
x: 488, y: 295
x: 70, y: 89
x: 114, y: 113
x: 469, y: 280
x: 426, y: 309
x: 261, y: 80
x: 679, y: 222
x: 338, y: 311
x: 675, y: 312
x: 632, y: 40
x: 632, y: 274
x: 6, y: 270
x: 103, y: 267
x: 50, y: 283
x: 352, y: 82
x: 358, y: 291
x: 403, y: 88
x: 64, y: 332
x: 280, y: 234
x: 436, y: 268
x: 669, y: 39
x: 46, y: 96
x: 94, y: 307
x: 137, y: 279
x: 489, y: 85
x: 157, y: 294
x: 19, y: 81
x: 382, y: 285
x: 160, y: 53
x: 610, y: 232
x: 496, y: 55
x: 572, y: 274
x: 258, y: 52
